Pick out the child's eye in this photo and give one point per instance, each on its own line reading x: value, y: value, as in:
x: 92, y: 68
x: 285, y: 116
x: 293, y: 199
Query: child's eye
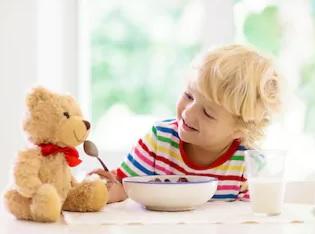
x: 187, y: 95
x: 66, y: 114
x: 208, y: 115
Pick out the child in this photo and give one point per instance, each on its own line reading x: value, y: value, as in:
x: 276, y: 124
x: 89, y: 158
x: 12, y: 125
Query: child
x: 227, y: 103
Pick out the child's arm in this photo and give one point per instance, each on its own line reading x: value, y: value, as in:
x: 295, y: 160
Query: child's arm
x: 115, y: 188
x: 139, y: 162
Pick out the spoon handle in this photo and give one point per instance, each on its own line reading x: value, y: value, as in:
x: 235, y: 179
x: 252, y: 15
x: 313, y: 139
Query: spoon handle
x: 105, y: 168
x: 113, y: 179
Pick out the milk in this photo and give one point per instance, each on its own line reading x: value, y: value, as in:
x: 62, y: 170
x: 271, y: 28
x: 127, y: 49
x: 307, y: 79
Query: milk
x: 266, y: 195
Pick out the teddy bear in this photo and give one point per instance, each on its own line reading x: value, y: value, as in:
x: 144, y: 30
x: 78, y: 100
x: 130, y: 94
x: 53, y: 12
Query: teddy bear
x: 43, y: 183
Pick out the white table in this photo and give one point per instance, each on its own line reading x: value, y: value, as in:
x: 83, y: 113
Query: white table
x: 12, y: 226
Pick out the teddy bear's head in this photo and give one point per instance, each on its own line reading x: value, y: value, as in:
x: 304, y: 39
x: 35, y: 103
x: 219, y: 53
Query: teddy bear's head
x: 54, y: 118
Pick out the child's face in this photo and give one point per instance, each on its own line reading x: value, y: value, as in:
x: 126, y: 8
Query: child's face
x: 202, y: 123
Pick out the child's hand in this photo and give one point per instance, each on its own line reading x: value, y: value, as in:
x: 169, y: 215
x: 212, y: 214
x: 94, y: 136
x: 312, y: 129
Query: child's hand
x: 115, y: 188
x: 108, y: 175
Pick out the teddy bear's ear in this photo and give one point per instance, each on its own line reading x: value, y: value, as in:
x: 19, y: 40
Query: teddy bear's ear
x: 37, y: 95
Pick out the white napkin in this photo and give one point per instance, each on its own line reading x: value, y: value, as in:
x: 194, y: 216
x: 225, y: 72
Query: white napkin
x: 130, y: 212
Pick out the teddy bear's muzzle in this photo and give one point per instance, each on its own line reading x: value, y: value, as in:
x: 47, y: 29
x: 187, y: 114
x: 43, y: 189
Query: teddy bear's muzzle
x: 87, y: 124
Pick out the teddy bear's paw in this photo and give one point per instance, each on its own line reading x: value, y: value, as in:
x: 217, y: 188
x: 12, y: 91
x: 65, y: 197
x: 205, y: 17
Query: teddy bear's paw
x: 46, y: 204
x: 18, y: 205
x: 87, y: 197
x: 99, y: 195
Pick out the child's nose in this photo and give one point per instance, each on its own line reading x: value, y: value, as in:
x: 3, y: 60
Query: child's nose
x: 190, y: 112
x: 191, y: 108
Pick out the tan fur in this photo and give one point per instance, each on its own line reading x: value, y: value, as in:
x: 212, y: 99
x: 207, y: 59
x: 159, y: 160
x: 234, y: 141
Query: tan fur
x: 44, y: 184
x: 18, y: 204
x: 81, y: 198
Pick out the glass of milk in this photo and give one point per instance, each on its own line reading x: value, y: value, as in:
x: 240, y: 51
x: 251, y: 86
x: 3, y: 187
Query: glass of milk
x: 265, y: 176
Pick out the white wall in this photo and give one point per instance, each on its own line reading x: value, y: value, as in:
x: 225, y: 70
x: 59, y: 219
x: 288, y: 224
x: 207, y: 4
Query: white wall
x: 57, y: 43
x: 219, y: 25
x: 38, y: 45
x: 18, y: 55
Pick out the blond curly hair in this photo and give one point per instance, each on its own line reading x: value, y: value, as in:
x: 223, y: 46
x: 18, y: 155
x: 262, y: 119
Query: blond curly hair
x: 245, y: 83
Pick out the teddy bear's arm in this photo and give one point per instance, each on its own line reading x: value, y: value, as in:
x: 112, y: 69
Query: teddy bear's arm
x: 26, y: 172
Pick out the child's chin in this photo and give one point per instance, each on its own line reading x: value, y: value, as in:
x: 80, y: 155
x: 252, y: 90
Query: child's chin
x: 184, y: 136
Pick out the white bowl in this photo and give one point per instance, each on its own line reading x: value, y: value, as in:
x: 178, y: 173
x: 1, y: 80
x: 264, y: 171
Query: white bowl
x: 173, y: 195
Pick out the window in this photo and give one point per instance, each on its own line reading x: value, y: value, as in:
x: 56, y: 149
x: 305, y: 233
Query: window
x: 286, y: 30
x: 140, y: 51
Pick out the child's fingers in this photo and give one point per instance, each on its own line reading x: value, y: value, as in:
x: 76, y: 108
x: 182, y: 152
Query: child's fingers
x: 99, y: 172
x: 111, y: 176
x: 96, y: 171
x: 102, y: 173
x: 114, y: 172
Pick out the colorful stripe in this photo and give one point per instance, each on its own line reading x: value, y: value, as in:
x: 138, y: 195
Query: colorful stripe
x: 228, y: 187
x: 150, y: 162
x: 139, y: 166
x: 158, y: 153
x: 224, y: 196
x: 168, y: 130
x: 128, y: 170
x: 168, y: 140
x: 238, y: 157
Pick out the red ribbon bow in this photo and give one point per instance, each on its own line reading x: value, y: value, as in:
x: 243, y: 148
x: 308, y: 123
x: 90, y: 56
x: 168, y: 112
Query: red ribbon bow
x: 71, y: 154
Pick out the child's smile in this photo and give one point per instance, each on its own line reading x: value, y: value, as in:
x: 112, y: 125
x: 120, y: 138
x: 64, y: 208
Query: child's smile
x: 204, y: 123
x: 187, y: 127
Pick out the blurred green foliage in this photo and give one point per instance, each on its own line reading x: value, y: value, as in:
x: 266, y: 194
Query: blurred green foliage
x: 132, y: 65
x: 264, y: 31
x: 307, y: 91
x: 307, y: 84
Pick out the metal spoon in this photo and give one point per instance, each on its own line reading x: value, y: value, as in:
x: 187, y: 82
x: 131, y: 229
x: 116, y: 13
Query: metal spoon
x: 91, y: 150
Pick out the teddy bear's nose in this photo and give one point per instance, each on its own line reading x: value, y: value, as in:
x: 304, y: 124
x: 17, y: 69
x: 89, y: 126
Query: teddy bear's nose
x: 87, y: 124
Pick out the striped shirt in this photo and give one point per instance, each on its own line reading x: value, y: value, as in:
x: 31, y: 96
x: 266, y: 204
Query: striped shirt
x: 161, y: 152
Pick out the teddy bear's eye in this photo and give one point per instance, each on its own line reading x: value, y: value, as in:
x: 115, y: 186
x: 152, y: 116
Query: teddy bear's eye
x: 66, y: 114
